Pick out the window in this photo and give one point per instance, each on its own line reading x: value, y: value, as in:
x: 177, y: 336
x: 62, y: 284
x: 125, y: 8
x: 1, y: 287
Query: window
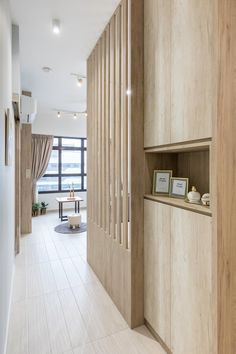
x: 67, y: 167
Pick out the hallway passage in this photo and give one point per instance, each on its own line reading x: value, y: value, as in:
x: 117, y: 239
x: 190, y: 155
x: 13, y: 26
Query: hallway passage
x: 59, y: 305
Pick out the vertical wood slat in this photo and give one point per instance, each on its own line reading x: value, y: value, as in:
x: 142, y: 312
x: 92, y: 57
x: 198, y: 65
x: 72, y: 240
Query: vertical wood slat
x: 137, y: 158
x: 112, y: 121
x: 102, y: 118
x: 95, y: 119
x: 110, y: 152
x: 100, y: 122
x: 107, y: 111
x: 88, y: 129
x: 125, y: 141
x: 129, y: 86
x: 92, y: 133
x: 118, y: 123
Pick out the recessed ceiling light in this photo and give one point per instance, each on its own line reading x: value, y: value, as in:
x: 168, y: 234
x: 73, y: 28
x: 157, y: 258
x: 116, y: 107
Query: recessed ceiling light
x: 46, y: 69
x: 58, y: 114
x: 75, y: 116
x: 56, y: 26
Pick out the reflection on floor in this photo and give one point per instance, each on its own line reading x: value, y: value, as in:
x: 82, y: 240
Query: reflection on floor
x: 59, y: 305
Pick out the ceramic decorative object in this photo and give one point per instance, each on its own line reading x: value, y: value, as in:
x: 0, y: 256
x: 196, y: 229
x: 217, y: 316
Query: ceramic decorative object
x: 194, y: 196
x: 206, y: 199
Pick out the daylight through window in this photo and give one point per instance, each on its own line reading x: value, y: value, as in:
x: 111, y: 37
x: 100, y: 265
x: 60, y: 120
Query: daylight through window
x: 67, y: 166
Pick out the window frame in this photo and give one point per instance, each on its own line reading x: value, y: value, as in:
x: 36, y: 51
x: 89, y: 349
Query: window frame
x: 60, y: 175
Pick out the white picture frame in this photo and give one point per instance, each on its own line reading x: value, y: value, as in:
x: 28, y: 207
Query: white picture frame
x: 179, y: 187
x: 161, y: 182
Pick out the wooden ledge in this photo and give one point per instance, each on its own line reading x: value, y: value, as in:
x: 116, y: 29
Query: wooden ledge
x: 180, y: 203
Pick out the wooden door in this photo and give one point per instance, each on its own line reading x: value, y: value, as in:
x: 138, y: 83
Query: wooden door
x: 157, y: 17
x: 193, y: 69
x: 157, y: 260
x: 191, y: 283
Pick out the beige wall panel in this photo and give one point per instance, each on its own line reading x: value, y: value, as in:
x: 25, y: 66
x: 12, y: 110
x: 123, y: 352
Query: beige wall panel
x: 191, y: 283
x: 157, y: 248
x: 193, y: 75
x: 157, y: 72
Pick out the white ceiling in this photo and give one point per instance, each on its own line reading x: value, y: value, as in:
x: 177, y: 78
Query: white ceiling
x: 82, y: 22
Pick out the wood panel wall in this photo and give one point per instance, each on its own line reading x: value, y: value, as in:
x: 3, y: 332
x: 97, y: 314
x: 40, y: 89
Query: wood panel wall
x: 115, y: 159
x: 26, y: 181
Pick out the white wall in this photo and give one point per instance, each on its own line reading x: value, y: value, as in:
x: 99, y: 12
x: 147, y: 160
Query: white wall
x: 16, y: 84
x: 7, y: 208
x: 48, y: 123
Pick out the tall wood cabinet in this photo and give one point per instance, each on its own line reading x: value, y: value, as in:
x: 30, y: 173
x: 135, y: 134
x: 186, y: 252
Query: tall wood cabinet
x: 189, y: 128
x: 180, y: 77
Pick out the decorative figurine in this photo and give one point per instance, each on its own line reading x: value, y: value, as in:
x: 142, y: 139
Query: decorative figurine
x: 206, y: 199
x: 194, y: 196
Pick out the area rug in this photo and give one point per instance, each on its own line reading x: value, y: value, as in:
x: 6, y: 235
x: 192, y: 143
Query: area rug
x: 65, y: 228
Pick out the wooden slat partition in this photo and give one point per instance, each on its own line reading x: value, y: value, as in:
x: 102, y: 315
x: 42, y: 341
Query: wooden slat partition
x: 116, y: 159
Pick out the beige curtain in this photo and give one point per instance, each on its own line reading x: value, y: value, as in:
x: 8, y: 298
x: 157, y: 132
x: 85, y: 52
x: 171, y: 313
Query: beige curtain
x: 41, y: 152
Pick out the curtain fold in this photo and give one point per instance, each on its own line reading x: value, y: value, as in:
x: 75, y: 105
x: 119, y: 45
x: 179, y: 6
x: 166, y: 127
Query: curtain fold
x: 41, y: 153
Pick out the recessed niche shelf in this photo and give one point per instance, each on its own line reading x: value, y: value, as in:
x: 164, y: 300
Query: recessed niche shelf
x: 190, y: 160
x: 180, y: 203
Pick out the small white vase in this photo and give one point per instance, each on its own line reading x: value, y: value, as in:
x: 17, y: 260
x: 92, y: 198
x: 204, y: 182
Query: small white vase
x: 194, y: 196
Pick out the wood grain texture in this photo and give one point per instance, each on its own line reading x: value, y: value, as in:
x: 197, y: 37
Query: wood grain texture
x: 26, y: 183
x: 193, y: 75
x: 115, y: 153
x: 191, y: 283
x: 185, y: 146
x: 137, y: 160
x: 194, y: 165
x: 224, y: 178
x: 157, y: 41
x: 180, y: 203
x: 157, y: 254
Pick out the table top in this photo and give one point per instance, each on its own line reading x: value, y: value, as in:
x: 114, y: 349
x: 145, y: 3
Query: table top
x: 68, y: 199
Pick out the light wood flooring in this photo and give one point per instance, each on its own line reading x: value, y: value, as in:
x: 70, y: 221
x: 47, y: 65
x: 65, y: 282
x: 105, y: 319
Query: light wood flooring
x: 59, y: 305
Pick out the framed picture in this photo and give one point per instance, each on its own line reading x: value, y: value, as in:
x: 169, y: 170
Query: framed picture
x: 161, y: 182
x: 178, y: 187
x: 8, y: 139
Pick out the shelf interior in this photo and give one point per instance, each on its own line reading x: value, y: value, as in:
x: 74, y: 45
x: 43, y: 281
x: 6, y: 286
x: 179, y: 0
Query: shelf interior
x: 194, y: 165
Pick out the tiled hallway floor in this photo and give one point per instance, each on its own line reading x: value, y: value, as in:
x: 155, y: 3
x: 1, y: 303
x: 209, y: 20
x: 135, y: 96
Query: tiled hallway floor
x: 59, y: 306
